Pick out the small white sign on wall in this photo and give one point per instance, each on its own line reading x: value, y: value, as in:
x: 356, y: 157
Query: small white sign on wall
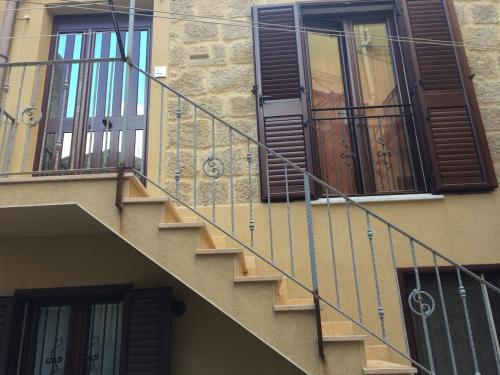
x: 160, y: 72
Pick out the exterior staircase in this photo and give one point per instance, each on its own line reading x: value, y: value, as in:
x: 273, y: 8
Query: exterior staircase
x: 240, y: 285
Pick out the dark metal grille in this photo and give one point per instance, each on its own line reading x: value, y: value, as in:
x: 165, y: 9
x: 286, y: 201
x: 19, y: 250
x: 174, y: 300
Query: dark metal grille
x: 365, y: 150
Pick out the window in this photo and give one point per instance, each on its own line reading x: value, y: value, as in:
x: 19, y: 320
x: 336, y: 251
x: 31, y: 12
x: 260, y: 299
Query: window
x: 339, y: 94
x: 477, y: 315
x: 100, y: 330
x: 93, y: 104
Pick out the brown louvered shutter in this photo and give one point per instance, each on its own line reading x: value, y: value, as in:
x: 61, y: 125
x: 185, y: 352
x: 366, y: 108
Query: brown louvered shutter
x: 456, y: 142
x: 6, y: 315
x: 281, y: 100
x: 146, y: 332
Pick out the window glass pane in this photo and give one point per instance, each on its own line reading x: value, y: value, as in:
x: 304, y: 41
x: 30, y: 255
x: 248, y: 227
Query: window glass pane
x: 66, y: 150
x: 52, y: 340
x: 73, y: 81
x: 104, y: 338
x: 138, y: 151
x: 95, y: 76
x: 386, y: 122
x: 57, y: 78
x: 376, y: 67
x: 105, y: 150
x: 122, y: 110
x: 141, y: 87
x: 326, y: 71
x: 61, y: 47
x: 48, y: 151
x: 89, y: 148
x: 328, y: 100
x: 113, y: 44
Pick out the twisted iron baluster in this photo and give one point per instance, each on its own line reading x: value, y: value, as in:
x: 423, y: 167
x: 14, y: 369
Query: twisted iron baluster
x: 251, y: 223
x: 31, y: 121
x: 463, y: 295
x: 231, y: 179
x: 445, y: 315
x: 289, y: 219
x: 269, y: 213
x: 195, y: 157
x: 353, y: 257
x: 380, y: 308
x: 160, y: 151
x: 13, y: 128
x: 5, y: 90
x: 178, y: 114
x: 396, y: 281
x: 423, y: 309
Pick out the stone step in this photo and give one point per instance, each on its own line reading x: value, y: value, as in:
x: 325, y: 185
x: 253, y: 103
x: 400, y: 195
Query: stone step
x: 377, y: 367
x: 257, y: 278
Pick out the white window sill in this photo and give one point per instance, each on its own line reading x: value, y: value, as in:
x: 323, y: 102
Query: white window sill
x: 381, y: 199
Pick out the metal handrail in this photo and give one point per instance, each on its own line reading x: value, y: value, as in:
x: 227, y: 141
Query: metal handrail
x: 317, y: 180
x: 280, y: 270
x: 292, y: 172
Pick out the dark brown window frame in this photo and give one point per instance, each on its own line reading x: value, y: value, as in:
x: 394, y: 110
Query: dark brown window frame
x: 346, y: 15
x: 404, y: 272
x: 20, y: 355
x: 448, y: 131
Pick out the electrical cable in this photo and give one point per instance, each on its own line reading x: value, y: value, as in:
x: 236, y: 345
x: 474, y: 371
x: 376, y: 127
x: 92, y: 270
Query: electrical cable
x: 241, y: 23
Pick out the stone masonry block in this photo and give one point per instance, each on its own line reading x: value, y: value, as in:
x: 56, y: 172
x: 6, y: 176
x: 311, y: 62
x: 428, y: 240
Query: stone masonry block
x: 195, y: 32
x: 236, y: 79
x: 483, y: 12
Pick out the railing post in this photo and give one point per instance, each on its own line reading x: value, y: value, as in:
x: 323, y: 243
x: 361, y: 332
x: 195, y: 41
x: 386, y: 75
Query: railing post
x: 312, y: 258
x: 119, y: 187
x: 128, y: 68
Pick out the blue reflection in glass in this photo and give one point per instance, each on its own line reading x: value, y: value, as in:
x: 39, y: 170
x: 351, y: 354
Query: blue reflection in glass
x: 111, y: 76
x: 122, y: 112
x: 95, y: 83
x: 141, y: 86
x: 61, y: 48
x: 73, y: 82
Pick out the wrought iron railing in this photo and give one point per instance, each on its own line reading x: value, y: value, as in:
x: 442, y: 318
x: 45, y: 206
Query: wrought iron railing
x: 368, y: 150
x: 356, y: 264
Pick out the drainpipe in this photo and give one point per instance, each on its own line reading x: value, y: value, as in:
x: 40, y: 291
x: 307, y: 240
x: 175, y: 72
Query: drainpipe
x: 6, y: 30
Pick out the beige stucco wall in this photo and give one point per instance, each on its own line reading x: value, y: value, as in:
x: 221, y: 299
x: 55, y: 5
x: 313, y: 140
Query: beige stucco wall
x: 212, y: 63
x: 465, y: 227
x: 204, y: 340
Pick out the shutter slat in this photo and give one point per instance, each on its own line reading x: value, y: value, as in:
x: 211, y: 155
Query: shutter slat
x: 460, y: 158
x: 280, y: 77
x: 145, y: 347
x: 6, y: 321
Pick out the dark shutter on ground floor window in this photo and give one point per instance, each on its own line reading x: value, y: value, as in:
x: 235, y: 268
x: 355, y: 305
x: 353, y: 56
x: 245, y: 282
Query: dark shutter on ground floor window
x: 146, y: 332
x: 281, y: 100
x: 6, y: 315
x: 457, y: 146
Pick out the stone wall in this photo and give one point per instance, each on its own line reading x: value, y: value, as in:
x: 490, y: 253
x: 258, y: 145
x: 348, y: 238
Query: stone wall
x: 212, y: 63
x: 479, y: 21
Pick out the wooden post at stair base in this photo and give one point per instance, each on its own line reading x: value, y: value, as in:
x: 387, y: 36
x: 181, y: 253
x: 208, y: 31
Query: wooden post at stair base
x: 119, y: 186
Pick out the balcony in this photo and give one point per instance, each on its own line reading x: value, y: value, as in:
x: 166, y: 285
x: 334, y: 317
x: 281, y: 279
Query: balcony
x: 368, y: 150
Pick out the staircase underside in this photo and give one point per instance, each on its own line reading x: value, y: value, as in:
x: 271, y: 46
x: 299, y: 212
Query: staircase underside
x: 225, y: 276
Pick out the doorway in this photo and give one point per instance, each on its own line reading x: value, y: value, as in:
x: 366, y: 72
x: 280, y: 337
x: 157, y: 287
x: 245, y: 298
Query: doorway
x: 85, y: 101
x: 361, y: 117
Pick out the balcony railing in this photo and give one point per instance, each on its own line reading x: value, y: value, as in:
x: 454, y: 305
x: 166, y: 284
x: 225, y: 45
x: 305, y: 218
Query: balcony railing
x: 347, y: 257
x: 368, y: 150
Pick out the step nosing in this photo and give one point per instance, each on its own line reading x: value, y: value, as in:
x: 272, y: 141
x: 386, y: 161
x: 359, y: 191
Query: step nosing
x: 257, y: 278
x: 180, y: 225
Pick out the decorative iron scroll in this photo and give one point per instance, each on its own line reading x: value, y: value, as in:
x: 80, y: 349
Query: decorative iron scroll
x: 213, y: 167
x: 425, y: 303
x: 53, y: 360
x: 31, y: 116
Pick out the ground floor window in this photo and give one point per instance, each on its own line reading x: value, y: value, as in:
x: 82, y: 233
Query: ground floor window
x: 481, y: 315
x: 99, y: 330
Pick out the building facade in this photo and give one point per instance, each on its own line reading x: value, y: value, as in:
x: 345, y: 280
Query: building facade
x: 250, y: 187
